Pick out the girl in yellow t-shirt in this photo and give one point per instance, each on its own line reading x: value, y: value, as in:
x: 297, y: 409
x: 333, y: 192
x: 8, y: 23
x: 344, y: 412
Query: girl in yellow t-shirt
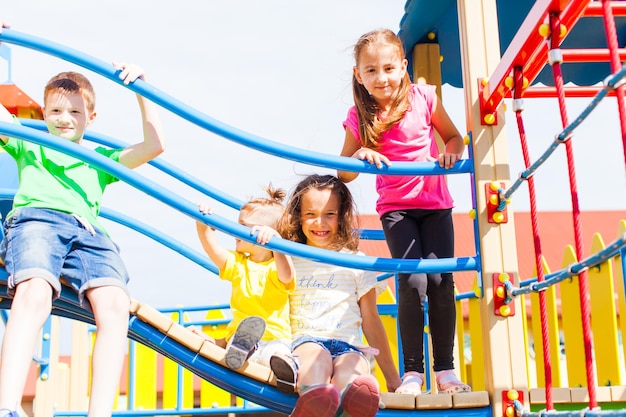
x: 261, y: 283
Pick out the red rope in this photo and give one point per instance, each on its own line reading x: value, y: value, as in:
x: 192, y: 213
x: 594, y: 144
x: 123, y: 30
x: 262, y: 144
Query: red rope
x: 543, y: 309
x: 583, y: 287
x: 616, y: 65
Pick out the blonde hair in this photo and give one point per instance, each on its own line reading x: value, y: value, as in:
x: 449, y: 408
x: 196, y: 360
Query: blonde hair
x: 370, y: 126
x: 291, y: 223
x: 270, y: 208
x: 71, y: 83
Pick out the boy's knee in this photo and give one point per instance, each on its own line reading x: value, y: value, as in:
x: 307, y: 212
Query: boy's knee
x: 109, y: 300
x: 35, y: 293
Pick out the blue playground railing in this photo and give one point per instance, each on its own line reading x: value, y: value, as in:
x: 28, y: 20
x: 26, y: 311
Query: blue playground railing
x: 142, y: 332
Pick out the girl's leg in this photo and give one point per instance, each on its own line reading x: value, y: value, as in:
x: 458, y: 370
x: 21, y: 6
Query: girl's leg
x: 318, y: 398
x: 315, y: 365
x: 29, y: 310
x: 403, y: 238
x: 438, y: 242
x: 110, y: 306
x: 347, y: 367
x: 360, y: 392
x: 277, y: 355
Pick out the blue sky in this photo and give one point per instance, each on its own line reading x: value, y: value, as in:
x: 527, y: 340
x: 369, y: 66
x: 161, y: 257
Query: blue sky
x: 280, y: 70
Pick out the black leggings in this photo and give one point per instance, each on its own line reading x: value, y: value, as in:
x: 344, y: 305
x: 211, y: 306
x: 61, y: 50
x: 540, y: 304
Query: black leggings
x: 428, y: 234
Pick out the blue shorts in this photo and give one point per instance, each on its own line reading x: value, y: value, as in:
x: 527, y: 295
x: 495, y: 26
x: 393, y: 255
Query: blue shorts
x: 56, y: 247
x: 333, y: 346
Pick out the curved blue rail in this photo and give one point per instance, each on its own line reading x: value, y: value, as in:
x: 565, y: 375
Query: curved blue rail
x: 228, y: 132
x: 234, y: 229
x: 158, y: 163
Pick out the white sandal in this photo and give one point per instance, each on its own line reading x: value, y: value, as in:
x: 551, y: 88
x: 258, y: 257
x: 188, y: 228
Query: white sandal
x: 412, y: 383
x: 448, y: 383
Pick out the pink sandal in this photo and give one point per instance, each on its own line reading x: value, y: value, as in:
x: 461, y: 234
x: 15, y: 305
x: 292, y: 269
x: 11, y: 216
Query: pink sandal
x: 448, y: 383
x: 412, y: 383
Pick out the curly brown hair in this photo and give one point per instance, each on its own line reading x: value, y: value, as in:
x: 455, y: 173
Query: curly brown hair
x: 291, y: 223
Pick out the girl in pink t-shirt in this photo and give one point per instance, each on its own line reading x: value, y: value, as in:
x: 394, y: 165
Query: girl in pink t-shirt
x: 395, y: 120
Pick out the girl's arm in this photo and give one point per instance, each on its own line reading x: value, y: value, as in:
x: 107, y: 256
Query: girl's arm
x: 350, y: 146
x: 284, y: 266
x: 449, y: 134
x: 209, y: 242
x: 353, y: 149
x: 374, y: 332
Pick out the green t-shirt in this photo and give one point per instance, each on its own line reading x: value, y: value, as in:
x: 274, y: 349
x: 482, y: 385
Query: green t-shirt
x: 53, y: 180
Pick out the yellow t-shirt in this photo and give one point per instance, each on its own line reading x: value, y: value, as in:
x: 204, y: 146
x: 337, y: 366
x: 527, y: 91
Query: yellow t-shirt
x: 257, y: 291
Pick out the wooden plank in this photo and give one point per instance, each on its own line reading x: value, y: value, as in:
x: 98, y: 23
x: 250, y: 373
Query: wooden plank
x: 559, y: 396
x: 472, y: 399
x: 503, y: 368
x: 250, y: 369
x: 154, y: 317
x: 185, y: 337
x: 397, y: 401
x: 134, y: 306
x: 433, y: 401
x: 618, y: 394
x: 581, y: 395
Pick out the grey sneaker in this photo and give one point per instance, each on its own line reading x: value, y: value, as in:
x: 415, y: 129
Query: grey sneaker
x: 244, y: 341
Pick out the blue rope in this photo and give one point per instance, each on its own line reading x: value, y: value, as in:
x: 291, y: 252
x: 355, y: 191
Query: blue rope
x: 611, y: 83
x: 574, y: 269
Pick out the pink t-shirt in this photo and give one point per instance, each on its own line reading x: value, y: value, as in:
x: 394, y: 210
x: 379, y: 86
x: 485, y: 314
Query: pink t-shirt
x: 411, y: 140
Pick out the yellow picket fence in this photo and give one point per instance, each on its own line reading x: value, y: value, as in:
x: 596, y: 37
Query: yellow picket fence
x: 567, y: 352
x: 180, y: 389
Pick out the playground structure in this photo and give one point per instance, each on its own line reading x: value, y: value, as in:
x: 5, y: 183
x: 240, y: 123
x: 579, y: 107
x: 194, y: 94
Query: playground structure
x: 498, y: 370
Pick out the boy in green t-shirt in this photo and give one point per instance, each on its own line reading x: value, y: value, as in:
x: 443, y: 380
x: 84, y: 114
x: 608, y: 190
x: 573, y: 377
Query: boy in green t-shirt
x: 53, y: 233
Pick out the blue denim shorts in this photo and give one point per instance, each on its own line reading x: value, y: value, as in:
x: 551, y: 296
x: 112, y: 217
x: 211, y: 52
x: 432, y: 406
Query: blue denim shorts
x: 55, y: 246
x: 333, y: 346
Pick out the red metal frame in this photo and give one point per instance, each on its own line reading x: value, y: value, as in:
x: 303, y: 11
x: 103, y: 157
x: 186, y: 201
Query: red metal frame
x: 590, y: 55
x: 595, y: 9
x: 528, y: 49
x: 572, y: 92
